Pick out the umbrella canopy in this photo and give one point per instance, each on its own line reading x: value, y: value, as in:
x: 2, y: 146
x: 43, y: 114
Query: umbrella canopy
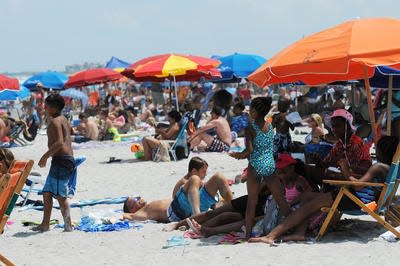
x: 76, y: 94
x: 381, y: 77
x: 345, y: 52
x: 7, y: 83
x: 12, y: 95
x: 49, y: 80
x: 91, y: 77
x: 237, y: 66
x: 117, y: 64
x: 182, y: 67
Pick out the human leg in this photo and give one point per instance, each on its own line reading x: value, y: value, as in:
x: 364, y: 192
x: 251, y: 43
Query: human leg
x: 47, y: 207
x: 65, y: 211
x: 274, y: 185
x: 225, y: 228
x: 149, y: 143
x: 315, y: 203
x: 201, y: 217
x: 218, y: 182
x: 253, y: 188
x: 201, y: 137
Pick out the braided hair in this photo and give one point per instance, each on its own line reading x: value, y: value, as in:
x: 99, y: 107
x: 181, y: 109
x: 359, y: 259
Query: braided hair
x: 261, y: 105
x: 386, y: 148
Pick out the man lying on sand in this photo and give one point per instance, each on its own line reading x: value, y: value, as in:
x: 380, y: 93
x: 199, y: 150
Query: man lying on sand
x: 191, y: 195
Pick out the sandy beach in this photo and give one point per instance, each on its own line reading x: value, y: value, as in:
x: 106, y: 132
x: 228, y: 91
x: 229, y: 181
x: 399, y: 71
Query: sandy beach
x: 355, y: 242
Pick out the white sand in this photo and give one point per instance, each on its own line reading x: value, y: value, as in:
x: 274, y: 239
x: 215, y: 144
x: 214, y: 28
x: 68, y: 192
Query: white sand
x: 357, y: 243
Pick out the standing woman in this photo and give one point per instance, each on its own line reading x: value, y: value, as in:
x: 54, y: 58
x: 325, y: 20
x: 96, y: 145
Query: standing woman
x: 259, y: 137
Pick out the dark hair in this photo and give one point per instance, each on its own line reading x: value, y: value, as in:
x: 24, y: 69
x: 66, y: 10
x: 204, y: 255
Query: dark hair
x: 104, y: 112
x: 217, y: 110
x: 386, y: 148
x: 125, y: 208
x: 55, y: 101
x: 239, y: 105
x: 346, y: 123
x: 262, y: 105
x: 283, y: 106
x: 196, y: 163
x: 7, y: 156
x: 175, y: 115
x: 82, y: 116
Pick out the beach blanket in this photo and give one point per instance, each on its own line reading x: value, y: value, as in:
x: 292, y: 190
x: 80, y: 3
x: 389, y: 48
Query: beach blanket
x: 232, y: 238
x: 80, y: 203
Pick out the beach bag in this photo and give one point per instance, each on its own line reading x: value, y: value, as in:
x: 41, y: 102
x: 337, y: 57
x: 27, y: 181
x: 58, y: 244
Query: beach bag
x: 163, y: 154
x: 271, y: 215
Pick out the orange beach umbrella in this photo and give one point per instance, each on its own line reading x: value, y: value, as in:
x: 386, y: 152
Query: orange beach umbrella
x: 350, y: 50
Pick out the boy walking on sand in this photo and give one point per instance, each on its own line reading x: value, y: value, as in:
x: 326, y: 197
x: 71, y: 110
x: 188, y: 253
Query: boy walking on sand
x: 62, y: 163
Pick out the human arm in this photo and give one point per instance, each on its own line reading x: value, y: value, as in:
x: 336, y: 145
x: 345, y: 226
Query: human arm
x: 170, y: 133
x: 208, y: 126
x: 249, y: 146
x: 56, y: 129
x: 140, y: 215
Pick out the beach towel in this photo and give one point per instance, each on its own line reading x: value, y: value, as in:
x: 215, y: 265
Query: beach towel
x: 232, y: 238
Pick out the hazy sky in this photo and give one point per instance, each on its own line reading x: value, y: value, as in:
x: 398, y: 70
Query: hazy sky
x: 48, y: 34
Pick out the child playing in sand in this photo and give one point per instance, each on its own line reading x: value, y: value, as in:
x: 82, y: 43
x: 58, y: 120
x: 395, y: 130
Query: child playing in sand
x: 282, y: 138
x: 62, y: 163
x: 259, y: 139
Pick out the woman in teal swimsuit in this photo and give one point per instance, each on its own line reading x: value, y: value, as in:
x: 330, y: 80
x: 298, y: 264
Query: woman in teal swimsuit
x: 259, y: 150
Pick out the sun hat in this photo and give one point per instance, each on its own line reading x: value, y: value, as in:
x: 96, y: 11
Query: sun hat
x: 284, y: 160
x: 344, y: 114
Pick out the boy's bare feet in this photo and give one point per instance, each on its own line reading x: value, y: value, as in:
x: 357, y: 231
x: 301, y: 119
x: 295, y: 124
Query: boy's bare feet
x: 41, y: 228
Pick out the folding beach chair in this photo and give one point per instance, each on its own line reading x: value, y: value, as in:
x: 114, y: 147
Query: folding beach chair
x: 4, y: 183
x: 180, y: 140
x: 389, y: 188
x: 18, y: 172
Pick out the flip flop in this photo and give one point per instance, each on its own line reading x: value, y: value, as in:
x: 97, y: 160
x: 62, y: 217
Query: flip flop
x: 114, y: 160
x: 32, y: 223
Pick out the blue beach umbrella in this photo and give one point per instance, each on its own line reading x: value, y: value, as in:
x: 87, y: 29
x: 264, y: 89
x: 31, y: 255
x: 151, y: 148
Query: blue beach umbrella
x: 116, y: 64
x: 381, y: 77
x: 237, y: 66
x: 49, y: 80
x: 76, y: 94
x: 12, y: 95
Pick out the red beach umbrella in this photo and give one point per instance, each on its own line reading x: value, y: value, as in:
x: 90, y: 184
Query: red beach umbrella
x: 91, y: 77
x: 7, y: 83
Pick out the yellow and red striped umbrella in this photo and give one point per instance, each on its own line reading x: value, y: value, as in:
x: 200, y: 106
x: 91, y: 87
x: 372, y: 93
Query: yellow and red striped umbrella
x: 182, y: 67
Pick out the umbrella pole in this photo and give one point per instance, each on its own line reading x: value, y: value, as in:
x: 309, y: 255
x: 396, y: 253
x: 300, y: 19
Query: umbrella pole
x: 389, y: 107
x: 176, y: 94
x: 370, y: 107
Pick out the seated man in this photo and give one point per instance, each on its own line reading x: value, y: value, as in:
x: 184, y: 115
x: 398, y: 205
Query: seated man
x: 190, y: 196
x: 312, y: 202
x: 349, y: 147
x: 219, y: 143
x: 170, y: 133
x: 87, y: 130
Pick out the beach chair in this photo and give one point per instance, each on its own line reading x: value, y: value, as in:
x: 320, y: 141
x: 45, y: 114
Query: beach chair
x: 4, y: 182
x: 18, y: 172
x: 383, y: 208
x: 180, y: 140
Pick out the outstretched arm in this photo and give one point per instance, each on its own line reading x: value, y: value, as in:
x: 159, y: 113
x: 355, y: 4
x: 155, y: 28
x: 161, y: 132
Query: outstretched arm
x: 249, y: 146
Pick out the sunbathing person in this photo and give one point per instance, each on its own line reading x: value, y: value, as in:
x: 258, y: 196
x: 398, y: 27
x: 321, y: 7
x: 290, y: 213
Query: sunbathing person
x: 137, y: 209
x: 223, y: 139
x: 312, y: 202
x: 87, y: 130
x: 170, y: 133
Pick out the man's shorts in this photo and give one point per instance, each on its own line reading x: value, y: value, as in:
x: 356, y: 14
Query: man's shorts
x: 61, y: 170
x: 217, y: 145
